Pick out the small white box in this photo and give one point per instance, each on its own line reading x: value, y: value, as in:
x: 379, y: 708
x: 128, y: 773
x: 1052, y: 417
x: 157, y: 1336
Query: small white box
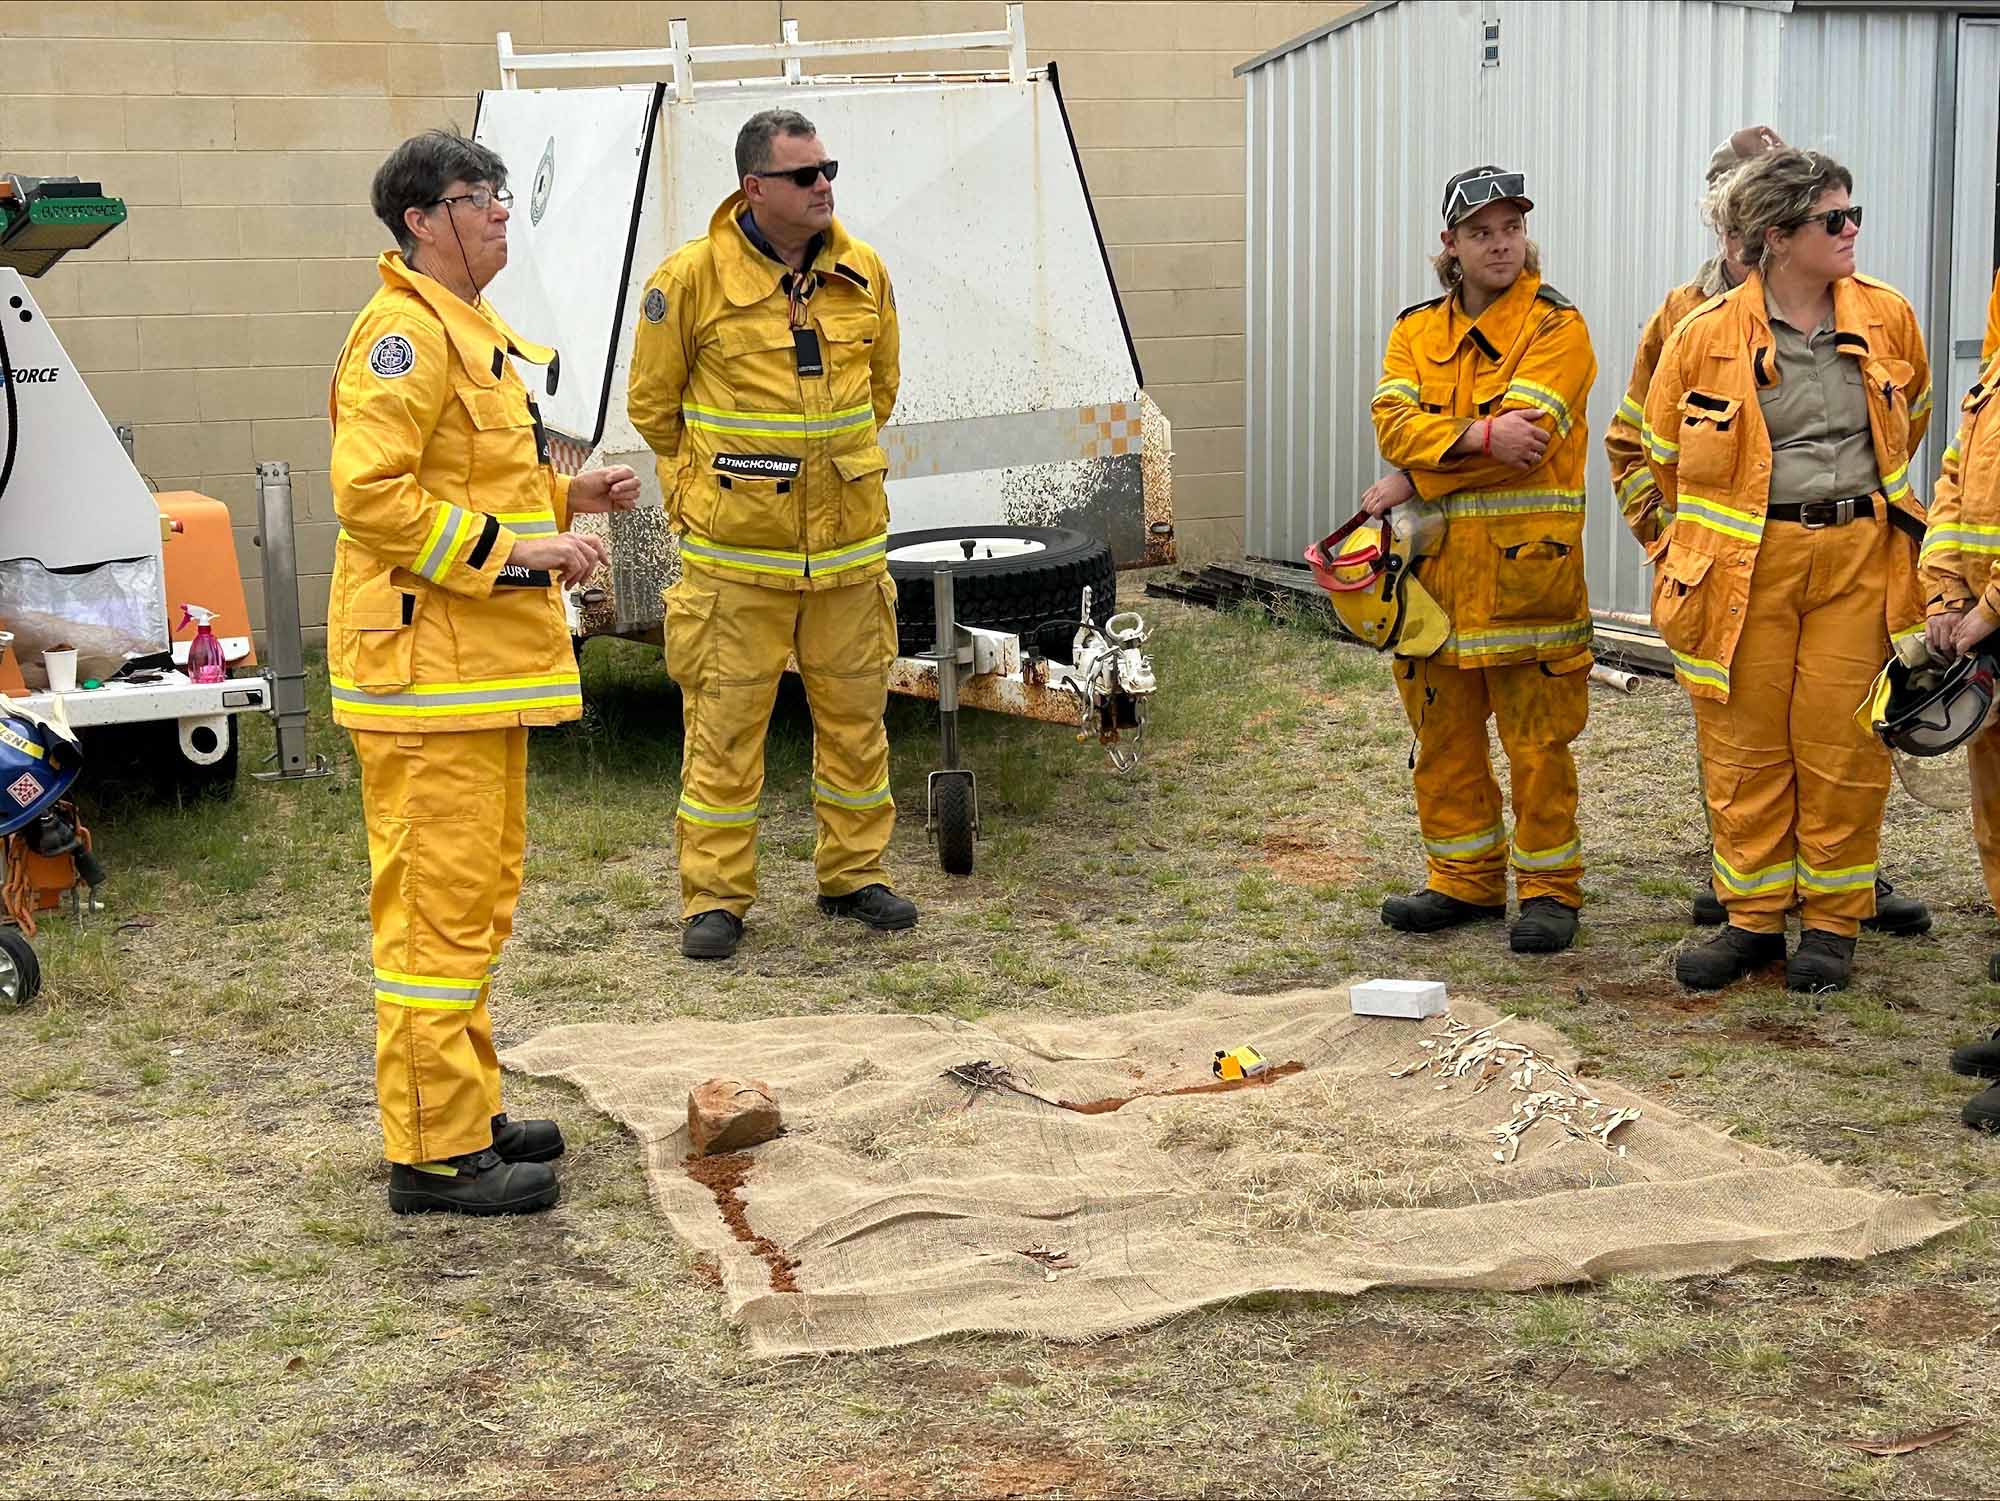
x: 1410, y: 999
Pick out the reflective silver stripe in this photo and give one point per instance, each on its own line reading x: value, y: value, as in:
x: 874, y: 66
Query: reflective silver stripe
x: 871, y: 799
x: 719, y: 818
x: 1561, y: 855
x: 566, y: 690
x: 1756, y: 882
x: 1854, y: 878
x: 727, y: 557
x: 1511, y: 502
x: 776, y: 422
x: 449, y: 533
x: 1485, y: 643
x: 545, y: 528
x: 466, y: 990
x: 1637, y: 483
x: 1631, y: 412
x: 1469, y: 844
x: 836, y: 562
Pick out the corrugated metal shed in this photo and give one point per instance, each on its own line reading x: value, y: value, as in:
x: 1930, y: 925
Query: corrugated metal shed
x: 1611, y: 110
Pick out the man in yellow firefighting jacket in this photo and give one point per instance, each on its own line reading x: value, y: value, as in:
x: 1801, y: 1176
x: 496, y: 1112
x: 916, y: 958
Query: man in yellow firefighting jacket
x: 1779, y: 427
x: 765, y: 361
x: 1632, y: 478
x: 446, y: 640
x: 1481, y: 411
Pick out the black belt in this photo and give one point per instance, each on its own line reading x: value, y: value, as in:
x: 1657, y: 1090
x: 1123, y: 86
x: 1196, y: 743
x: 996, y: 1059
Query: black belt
x: 1814, y: 514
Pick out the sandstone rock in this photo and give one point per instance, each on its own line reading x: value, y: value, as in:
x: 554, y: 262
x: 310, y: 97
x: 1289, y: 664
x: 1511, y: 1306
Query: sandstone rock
x: 726, y: 1115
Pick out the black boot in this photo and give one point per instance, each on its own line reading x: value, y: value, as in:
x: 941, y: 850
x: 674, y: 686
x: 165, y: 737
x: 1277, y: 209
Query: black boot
x: 876, y: 906
x: 1727, y: 958
x: 1545, y: 926
x: 1708, y: 911
x: 1982, y: 1111
x: 474, y: 1183
x: 1900, y: 916
x: 713, y: 934
x: 1430, y: 911
x: 526, y: 1141
x: 1979, y: 1059
x: 1820, y: 962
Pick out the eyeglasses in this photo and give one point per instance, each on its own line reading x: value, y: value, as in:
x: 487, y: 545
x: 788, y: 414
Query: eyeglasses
x: 805, y: 177
x: 1833, y: 219
x: 481, y: 199
x: 1477, y: 192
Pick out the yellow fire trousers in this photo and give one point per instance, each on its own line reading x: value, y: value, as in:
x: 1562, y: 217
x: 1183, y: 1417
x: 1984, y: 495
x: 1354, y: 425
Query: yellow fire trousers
x: 727, y: 645
x: 1538, y: 712
x: 1795, y: 787
x: 1983, y: 761
x: 447, y: 817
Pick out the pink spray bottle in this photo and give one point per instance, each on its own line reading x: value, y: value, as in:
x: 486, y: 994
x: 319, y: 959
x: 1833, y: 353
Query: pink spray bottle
x: 205, y: 663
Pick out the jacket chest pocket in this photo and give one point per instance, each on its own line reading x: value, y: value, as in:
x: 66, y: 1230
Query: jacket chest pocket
x: 864, y: 497
x: 1711, y: 438
x: 848, y: 344
x: 504, y: 472
x: 1537, y: 570
x: 1888, y: 383
x: 1437, y: 396
x: 379, y: 632
x: 759, y: 364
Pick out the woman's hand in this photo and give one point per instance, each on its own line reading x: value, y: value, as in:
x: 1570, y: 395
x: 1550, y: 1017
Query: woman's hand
x: 613, y: 488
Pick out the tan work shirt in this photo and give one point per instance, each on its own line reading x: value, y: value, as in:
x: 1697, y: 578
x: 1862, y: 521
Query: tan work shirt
x: 1821, y: 448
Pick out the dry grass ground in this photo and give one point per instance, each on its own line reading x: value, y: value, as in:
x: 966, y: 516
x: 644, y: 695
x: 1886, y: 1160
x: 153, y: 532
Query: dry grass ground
x: 201, y: 1289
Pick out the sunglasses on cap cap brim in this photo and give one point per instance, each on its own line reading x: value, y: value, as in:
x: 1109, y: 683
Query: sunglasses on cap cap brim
x: 1476, y: 192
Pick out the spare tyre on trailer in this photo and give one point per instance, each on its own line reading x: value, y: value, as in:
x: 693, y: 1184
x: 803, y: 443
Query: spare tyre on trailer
x: 1017, y: 579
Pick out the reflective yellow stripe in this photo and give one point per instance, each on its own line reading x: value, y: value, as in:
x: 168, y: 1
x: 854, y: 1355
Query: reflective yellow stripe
x: 1717, y: 517
x: 528, y: 523
x: 874, y: 797
x: 1631, y: 413
x: 446, y: 700
x: 1701, y: 670
x: 1504, y: 639
x: 1951, y: 454
x: 20, y: 743
x: 715, y: 816
x: 1851, y: 878
x: 427, y: 992
x: 1921, y: 405
x: 1468, y: 844
x: 774, y: 560
x: 1964, y: 536
x: 1548, y: 400
x: 1756, y: 882
x: 776, y: 424
x: 1551, y: 859
x: 1402, y: 388
x: 1635, y: 484
x: 1510, y: 502
x: 1662, y: 450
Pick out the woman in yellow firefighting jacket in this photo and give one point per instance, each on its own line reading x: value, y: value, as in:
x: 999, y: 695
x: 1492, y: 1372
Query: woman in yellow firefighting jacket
x: 1779, y: 427
x: 1632, y: 478
x: 1481, y: 411
x: 446, y: 641
x: 1962, y: 604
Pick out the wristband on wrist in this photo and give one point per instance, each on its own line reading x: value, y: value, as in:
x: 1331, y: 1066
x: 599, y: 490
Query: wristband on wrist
x: 1486, y: 443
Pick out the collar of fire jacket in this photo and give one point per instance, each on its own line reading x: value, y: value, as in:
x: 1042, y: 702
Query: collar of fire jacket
x: 1494, y: 330
x: 1857, y: 316
x: 748, y: 275
x: 480, y: 334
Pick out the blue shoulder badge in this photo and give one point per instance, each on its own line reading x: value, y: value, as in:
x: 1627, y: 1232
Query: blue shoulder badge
x: 392, y: 357
x: 655, y: 305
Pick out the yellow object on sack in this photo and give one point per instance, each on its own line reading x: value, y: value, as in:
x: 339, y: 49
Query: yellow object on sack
x: 763, y: 406
x: 1239, y: 1063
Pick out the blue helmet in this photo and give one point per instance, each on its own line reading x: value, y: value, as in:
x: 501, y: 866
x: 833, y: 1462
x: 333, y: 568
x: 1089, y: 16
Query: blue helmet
x: 39, y: 758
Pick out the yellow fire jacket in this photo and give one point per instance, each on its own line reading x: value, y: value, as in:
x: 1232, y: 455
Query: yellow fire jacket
x: 1990, y: 344
x: 439, y: 464
x: 1510, y: 571
x: 1624, y: 441
x: 766, y: 430
x: 1710, y: 454
x: 1963, y: 537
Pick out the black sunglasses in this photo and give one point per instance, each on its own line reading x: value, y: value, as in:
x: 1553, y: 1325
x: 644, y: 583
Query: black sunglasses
x: 1833, y: 219
x: 805, y: 177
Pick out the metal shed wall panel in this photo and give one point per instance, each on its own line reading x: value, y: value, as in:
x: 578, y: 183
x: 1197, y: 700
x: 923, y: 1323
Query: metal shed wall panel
x: 1351, y: 137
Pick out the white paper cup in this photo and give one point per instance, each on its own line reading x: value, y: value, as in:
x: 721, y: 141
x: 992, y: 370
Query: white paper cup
x: 61, y: 668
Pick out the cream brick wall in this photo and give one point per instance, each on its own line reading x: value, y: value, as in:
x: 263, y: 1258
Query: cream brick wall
x: 244, y: 136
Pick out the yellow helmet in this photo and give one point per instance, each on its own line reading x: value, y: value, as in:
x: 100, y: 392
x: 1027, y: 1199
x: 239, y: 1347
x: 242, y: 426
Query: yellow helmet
x: 1368, y: 569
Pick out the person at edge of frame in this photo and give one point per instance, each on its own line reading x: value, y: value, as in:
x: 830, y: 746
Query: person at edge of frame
x: 1962, y: 605
x: 1481, y: 413
x: 765, y: 362
x: 1779, y: 427
x: 1632, y: 480
x: 446, y: 642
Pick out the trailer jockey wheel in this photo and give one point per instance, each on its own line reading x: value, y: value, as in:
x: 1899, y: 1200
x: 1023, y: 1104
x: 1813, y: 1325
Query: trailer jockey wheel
x: 1004, y: 578
x: 954, y: 820
x: 20, y: 970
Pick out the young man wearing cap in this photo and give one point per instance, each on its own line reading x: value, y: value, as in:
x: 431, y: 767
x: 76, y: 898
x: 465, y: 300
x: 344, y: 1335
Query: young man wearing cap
x: 1481, y: 413
x: 1639, y: 495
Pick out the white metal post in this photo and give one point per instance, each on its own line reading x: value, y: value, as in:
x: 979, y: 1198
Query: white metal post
x: 508, y: 77
x: 1017, y: 44
x: 677, y: 38
x: 788, y: 33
